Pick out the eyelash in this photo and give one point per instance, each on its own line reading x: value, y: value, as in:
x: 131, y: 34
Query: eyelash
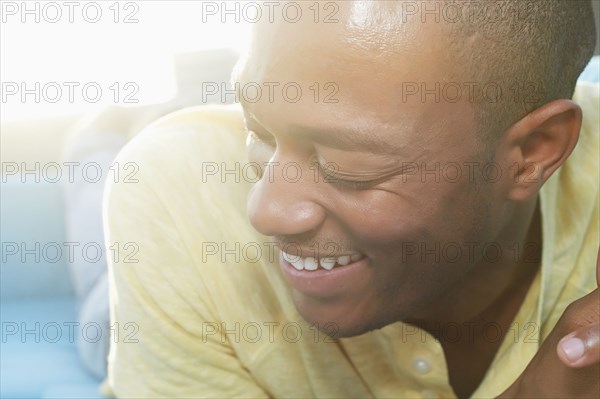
x: 331, y: 178
x: 326, y: 174
x: 353, y: 184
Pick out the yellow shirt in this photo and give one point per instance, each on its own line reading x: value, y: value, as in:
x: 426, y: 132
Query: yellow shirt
x: 201, y: 309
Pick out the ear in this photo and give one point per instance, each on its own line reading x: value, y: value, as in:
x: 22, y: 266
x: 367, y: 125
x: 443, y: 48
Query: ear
x: 538, y: 144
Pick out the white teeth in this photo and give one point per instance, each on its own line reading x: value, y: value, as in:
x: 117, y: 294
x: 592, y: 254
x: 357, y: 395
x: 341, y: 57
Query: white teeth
x: 310, y: 263
x: 327, y: 263
x: 289, y: 258
x: 298, y: 264
x: 355, y: 257
x: 343, y: 260
x: 294, y: 260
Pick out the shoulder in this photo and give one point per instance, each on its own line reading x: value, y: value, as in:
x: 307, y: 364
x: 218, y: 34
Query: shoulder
x: 570, y: 213
x: 185, y: 206
x: 191, y: 130
x: 179, y: 156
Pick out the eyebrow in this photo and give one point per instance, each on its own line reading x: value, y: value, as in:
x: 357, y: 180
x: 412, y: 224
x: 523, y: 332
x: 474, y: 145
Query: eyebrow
x: 336, y: 138
x: 344, y: 139
x: 347, y: 139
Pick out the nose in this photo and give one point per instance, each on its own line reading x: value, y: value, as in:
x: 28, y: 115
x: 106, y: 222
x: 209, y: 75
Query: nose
x: 282, y: 203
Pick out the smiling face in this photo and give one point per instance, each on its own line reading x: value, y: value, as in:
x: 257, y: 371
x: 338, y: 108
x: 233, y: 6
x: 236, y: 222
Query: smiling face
x: 368, y: 158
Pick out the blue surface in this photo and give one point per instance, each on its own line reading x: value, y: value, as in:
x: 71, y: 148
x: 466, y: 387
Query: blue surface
x: 44, y: 363
x: 32, y: 214
x: 37, y: 292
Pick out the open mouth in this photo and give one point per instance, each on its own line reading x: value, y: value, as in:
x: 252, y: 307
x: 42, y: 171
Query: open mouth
x: 327, y: 263
x: 326, y: 277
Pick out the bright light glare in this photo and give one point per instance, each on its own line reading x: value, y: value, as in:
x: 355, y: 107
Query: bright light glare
x: 107, y: 53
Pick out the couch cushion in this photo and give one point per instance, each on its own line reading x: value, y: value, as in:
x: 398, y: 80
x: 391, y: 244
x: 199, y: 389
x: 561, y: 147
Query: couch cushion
x: 32, y: 215
x: 42, y: 362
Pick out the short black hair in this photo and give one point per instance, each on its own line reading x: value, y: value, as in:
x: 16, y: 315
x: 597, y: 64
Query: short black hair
x: 534, y: 51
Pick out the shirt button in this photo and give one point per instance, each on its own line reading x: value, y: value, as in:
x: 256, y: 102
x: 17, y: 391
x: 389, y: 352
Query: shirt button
x: 421, y: 365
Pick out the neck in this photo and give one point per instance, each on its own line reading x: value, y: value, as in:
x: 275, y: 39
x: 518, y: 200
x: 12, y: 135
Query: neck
x: 491, y: 293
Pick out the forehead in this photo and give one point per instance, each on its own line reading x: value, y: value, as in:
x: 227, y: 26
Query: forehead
x: 365, y: 57
x: 359, y: 32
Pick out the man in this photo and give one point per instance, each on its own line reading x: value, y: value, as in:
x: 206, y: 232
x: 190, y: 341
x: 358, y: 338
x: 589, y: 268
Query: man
x: 409, y: 232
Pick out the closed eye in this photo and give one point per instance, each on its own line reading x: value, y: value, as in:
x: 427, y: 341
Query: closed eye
x: 332, y: 175
x: 353, y: 184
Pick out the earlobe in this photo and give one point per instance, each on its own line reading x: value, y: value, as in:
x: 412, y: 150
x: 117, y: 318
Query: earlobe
x: 539, y: 144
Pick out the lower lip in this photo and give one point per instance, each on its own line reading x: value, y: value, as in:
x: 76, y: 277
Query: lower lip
x: 323, y: 282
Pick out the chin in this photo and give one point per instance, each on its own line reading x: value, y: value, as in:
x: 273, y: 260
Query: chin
x: 337, y: 319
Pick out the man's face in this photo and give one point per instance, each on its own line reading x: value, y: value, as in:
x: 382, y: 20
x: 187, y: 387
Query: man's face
x: 362, y: 170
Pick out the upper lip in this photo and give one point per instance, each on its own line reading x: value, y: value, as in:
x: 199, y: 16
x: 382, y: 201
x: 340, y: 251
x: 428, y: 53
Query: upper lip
x: 295, y: 250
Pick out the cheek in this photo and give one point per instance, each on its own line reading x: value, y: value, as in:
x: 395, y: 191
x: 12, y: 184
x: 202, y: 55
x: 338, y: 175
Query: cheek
x: 416, y: 212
